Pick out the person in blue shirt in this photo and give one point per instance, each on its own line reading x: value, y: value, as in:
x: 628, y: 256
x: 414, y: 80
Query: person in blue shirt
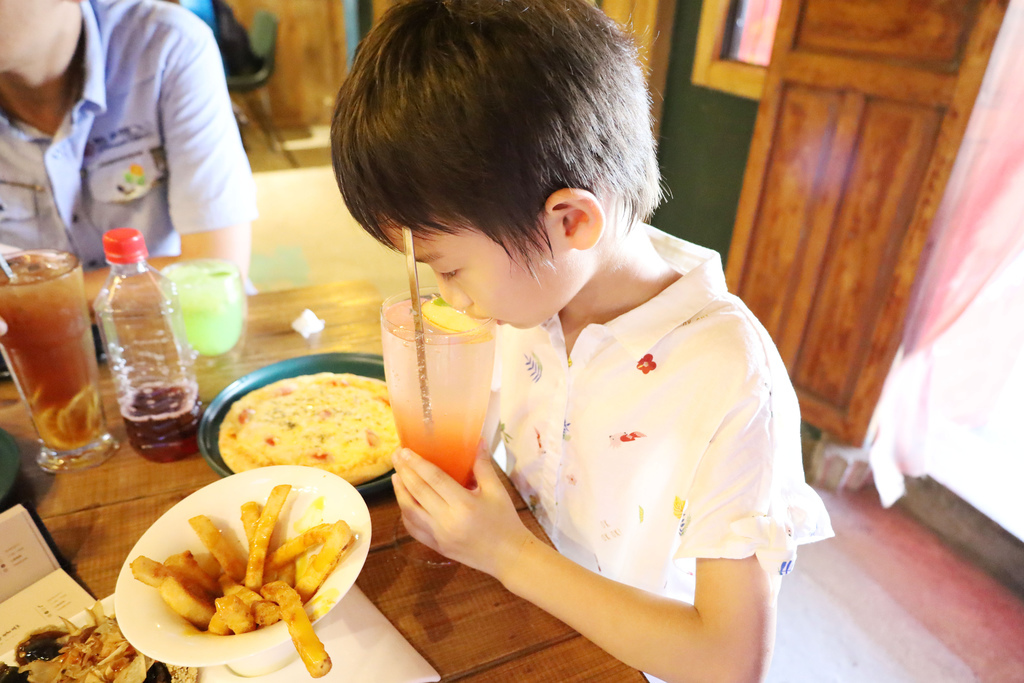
x: 116, y: 113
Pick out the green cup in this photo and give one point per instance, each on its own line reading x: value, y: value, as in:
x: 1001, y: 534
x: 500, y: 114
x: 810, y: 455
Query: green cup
x: 212, y: 299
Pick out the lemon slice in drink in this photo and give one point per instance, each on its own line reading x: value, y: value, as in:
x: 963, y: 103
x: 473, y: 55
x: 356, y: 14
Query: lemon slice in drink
x: 441, y: 315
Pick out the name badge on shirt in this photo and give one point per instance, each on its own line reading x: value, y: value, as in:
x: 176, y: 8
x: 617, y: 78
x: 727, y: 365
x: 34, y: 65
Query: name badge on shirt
x: 120, y: 178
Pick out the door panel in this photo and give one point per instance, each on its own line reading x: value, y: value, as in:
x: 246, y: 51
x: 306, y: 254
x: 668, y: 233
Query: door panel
x: 802, y: 144
x: 886, y: 169
x: 865, y: 105
x: 922, y: 32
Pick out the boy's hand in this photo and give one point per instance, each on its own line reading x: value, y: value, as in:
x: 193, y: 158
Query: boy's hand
x: 478, y: 527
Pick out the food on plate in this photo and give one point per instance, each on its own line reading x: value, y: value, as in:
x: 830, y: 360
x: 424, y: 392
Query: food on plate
x: 236, y: 616
x: 325, y: 561
x: 267, y: 586
x: 223, y: 550
x: 311, y: 650
x: 291, y: 549
x: 193, y: 605
x: 338, y: 422
x: 266, y: 612
x: 95, y: 652
x: 250, y: 515
x: 261, y: 537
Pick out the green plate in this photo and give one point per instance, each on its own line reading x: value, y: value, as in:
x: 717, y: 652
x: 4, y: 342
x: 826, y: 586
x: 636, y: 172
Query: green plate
x: 366, y: 364
x: 10, y: 461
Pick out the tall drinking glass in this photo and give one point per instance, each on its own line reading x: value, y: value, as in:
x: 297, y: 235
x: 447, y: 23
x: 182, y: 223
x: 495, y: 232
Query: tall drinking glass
x: 50, y: 352
x: 212, y: 299
x: 459, y: 368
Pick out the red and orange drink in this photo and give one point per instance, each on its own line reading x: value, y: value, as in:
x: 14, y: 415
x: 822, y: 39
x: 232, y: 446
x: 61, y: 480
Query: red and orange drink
x: 459, y: 367
x: 49, y: 350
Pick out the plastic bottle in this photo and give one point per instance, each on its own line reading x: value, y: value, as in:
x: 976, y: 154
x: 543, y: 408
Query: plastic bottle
x: 147, y: 351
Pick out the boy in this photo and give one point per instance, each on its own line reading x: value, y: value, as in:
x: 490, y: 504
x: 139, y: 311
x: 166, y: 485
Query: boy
x: 647, y: 418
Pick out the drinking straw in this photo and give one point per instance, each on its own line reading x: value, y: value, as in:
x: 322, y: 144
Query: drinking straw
x: 6, y: 268
x: 417, y: 321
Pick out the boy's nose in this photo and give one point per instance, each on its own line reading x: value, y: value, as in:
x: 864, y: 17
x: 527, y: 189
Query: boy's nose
x: 453, y: 295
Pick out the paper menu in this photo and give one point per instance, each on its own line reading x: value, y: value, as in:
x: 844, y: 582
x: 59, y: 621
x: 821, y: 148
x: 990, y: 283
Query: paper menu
x: 42, y: 604
x: 24, y: 555
x: 34, y: 590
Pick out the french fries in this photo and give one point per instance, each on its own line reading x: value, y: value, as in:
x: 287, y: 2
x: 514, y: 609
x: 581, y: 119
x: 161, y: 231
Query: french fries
x: 235, y: 614
x: 196, y: 609
x: 311, y: 650
x: 266, y: 612
x: 186, y: 568
x: 294, y: 547
x: 219, y: 547
x: 325, y: 561
x: 153, y: 573
x: 225, y: 593
x: 250, y: 517
x: 261, y: 536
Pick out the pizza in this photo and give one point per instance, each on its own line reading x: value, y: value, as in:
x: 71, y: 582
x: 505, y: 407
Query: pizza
x: 341, y: 423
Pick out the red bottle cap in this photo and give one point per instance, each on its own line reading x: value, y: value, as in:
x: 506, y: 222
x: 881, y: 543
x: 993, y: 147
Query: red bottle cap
x: 124, y: 245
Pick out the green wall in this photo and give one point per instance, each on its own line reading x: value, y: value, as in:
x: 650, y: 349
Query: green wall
x: 705, y: 137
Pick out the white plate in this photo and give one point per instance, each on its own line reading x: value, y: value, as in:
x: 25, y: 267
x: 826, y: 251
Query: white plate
x: 153, y: 628
x: 363, y: 645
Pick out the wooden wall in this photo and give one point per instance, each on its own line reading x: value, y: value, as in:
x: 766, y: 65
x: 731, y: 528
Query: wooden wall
x: 310, y: 62
x: 311, y: 50
x: 705, y: 137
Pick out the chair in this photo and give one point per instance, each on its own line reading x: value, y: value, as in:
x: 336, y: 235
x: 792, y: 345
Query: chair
x: 252, y: 87
x: 204, y: 10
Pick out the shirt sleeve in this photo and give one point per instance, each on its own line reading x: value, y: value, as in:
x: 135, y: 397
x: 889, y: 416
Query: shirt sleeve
x: 749, y: 493
x: 210, y: 183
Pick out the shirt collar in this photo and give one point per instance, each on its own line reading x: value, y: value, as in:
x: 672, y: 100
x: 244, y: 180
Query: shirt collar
x: 702, y: 281
x: 94, y: 90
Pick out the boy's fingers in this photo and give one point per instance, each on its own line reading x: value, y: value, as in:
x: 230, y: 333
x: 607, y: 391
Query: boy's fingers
x: 483, y: 470
x: 427, y: 482
x: 402, y: 494
x: 411, y: 510
x: 482, y: 451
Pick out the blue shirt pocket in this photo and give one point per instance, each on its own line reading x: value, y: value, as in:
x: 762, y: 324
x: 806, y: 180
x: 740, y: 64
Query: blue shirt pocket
x: 18, y: 201
x: 19, y: 214
x: 120, y: 177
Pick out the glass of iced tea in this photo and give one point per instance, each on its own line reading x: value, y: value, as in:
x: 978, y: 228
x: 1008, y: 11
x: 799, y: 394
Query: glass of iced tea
x: 459, y: 360
x: 50, y: 352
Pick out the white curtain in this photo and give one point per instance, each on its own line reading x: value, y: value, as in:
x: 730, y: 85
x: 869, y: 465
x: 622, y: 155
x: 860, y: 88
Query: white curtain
x: 965, y: 327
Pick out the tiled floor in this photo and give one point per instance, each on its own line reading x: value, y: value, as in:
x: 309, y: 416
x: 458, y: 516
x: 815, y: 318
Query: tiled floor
x: 883, y: 602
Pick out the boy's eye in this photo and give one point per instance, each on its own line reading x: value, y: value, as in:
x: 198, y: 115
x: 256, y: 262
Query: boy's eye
x: 447, y: 276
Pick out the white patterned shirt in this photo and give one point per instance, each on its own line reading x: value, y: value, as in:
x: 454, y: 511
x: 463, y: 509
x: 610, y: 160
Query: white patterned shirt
x: 673, y: 433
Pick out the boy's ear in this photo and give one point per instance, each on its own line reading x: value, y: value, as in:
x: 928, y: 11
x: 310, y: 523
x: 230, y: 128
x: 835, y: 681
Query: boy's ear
x: 574, y: 218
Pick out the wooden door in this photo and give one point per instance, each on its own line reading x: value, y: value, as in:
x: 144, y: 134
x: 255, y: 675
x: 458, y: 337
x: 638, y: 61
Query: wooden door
x: 864, y: 107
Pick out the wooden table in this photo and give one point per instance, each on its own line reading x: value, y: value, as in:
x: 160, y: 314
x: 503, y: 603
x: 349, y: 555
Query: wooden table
x: 461, y: 620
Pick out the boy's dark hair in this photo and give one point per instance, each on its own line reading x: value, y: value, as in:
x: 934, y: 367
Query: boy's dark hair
x: 469, y: 114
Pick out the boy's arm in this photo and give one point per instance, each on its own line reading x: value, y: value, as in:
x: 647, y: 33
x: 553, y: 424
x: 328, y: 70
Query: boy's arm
x: 727, y: 635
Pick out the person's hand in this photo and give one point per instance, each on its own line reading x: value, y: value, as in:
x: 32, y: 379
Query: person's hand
x: 478, y: 527
x: 3, y: 327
